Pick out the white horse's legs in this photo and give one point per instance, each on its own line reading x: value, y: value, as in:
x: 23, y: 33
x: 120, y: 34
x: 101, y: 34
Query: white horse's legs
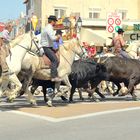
x: 1, y: 93
x: 68, y: 84
x: 58, y: 92
x: 31, y: 98
x: 4, y: 80
x: 13, y: 94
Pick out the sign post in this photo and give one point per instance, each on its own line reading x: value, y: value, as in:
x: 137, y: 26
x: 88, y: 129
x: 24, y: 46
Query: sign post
x: 114, y: 22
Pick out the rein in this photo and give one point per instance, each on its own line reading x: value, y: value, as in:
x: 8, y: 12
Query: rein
x: 28, y: 50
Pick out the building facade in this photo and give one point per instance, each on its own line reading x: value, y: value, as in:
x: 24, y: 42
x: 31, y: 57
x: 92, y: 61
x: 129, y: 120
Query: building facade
x: 92, y: 12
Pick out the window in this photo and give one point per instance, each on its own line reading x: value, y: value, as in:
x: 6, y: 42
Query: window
x: 59, y: 12
x: 94, y: 12
x: 94, y: 15
x: 124, y: 13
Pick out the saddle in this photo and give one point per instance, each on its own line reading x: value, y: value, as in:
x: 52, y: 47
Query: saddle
x: 44, y: 61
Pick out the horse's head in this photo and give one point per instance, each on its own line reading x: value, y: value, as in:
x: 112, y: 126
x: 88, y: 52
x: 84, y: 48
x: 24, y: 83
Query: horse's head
x: 76, y: 47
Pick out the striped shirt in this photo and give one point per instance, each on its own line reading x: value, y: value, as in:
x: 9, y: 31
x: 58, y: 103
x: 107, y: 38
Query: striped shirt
x: 6, y: 36
x: 48, y: 36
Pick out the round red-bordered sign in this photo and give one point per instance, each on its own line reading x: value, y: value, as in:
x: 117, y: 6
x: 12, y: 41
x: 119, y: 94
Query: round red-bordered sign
x: 117, y: 21
x: 110, y: 29
x: 110, y: 21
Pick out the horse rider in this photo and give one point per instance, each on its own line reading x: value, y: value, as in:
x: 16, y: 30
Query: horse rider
x: 47, y: 39
x: 5, y: 48
x: 118, y: 43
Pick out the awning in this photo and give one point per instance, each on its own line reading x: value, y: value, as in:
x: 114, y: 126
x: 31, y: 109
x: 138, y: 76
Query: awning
x: 99, y: 37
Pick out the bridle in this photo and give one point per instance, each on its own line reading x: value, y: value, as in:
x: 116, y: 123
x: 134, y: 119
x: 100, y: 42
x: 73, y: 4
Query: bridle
x: 74, y: 52
x: 29, y: 50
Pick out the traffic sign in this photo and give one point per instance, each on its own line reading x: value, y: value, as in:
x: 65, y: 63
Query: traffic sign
x: 117, y: 21
x: 110, y: 21
x: 110, y: 29
x: 114, y: 20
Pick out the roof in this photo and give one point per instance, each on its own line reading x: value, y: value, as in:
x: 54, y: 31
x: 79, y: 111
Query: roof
x: 25, y: 1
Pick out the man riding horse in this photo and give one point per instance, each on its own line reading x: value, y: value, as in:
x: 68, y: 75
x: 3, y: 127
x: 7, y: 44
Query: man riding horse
x: 47, y: 38
x: 118, y: 43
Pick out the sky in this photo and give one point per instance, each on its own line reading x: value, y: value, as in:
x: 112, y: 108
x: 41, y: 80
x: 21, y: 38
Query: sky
x: 11, y: 9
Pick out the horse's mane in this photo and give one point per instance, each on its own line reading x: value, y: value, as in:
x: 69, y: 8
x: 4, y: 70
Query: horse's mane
x: 68, y: 44
x: 18, y: 39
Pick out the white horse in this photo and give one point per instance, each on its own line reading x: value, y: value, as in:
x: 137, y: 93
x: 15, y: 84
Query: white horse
x: 14, y: 61
x: 134, y: 49
x: 67, y: 55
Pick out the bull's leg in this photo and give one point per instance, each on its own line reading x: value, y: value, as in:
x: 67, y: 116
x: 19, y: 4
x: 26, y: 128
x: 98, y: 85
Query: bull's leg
x: 94, y: 86
x: 131, y: 89
x: 99, y: 93
x: 80, y: 94
x: 63, y: 98
x: 71, y: 94
x: 119, y: 87
x: 44, y: 93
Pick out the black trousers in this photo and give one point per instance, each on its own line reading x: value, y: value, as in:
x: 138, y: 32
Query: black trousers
x: 50, y: 53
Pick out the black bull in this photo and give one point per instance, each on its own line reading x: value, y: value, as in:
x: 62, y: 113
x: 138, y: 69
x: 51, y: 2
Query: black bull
x: 84, y: 72
x: 113, y: 69
x: 123, y: 70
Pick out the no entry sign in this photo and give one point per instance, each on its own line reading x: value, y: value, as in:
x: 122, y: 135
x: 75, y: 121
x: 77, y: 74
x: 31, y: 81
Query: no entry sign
x: 113, y: 19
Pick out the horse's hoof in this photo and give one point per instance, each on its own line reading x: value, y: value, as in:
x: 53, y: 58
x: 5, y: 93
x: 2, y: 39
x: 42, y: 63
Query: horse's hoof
x: 121, y: 95
x: 103, y: 99
x: 71, y: 101
x: 114, y: 94
x: 10, y: 100
x: 34, y: 103
x: 95, y: 100
x: 49, y: 103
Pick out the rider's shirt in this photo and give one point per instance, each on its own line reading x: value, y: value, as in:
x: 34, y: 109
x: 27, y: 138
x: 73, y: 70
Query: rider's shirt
x: 118, y: 43
x: 48, y: 36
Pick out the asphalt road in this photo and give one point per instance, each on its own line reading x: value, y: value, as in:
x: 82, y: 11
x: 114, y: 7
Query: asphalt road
x: 114, y: 126
x: 124, y: 125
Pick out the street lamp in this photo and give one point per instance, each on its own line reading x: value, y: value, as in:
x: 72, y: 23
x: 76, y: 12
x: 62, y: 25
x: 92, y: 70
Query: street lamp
x: 66, y: 23
x: 79, y: 24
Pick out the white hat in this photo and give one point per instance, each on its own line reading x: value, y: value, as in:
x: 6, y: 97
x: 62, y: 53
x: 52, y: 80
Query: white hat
x: 92, y: 43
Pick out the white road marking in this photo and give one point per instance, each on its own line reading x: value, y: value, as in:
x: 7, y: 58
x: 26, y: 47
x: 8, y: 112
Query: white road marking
x: 51, y: 119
